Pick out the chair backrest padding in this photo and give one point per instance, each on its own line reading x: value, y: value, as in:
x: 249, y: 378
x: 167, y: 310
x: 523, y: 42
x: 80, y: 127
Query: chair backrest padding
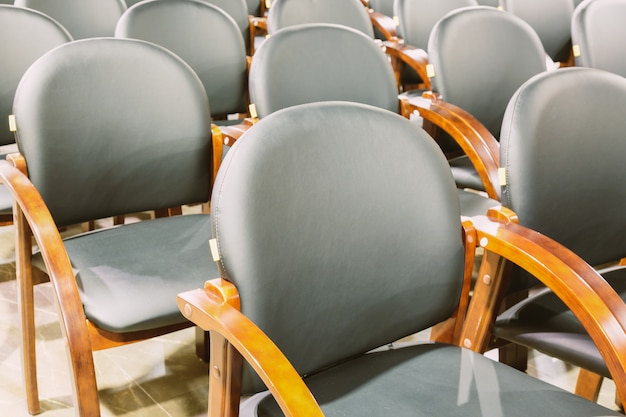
x: 599, y: 31
x: 563, y: 150
x: 481, y: 55
x: 111, y: 126
x: 320, y: 62
x: 25, y: 35
x: 83, y: 19
x: 551, y: 20
x: 417, y: 18
x: 205, y: 37
x: 339, y: 213
x: 284, y: 13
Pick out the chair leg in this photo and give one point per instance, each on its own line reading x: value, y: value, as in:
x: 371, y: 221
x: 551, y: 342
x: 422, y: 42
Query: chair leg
x: 588, y: 385
x: 26, y: 306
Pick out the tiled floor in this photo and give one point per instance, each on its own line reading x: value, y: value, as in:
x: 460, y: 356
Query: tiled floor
x: 159, y: 377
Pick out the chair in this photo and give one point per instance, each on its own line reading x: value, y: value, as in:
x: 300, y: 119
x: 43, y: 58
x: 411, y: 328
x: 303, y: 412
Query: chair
x: 598, y: 33
x: 238, y: 10
x: 382, y: 18
x: 558, y: 183
x: 25, y: 35
x: 551, y: 19
x: 351, y: 260
x: 492, y: 3
x: 209, y: 41
x: 101, y: 134
x: 479, y: 57
x: 360, y: 72
x: 83, y: 19
x: 416, y: 19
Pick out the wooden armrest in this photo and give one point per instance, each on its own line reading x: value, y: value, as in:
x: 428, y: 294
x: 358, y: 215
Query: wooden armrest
x: 476, y: 141
x: 385, y: 24
x: 258, y: 27
x: 409, y: 55
x: 32, y: 216
x: 216, y: 309
x: 592, y: 300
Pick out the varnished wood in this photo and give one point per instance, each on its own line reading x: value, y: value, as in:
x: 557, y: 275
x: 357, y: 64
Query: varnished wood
x: 592, y: 300
x: 72, y: 318
x: 588, y: 384
x: 385, y: 24
x: 404, y: 55
x: 476, y: 141
x: 215, y: 309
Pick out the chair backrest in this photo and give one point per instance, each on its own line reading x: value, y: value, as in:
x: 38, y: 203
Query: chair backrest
x: 25, y: 35
x: 491, y: 3
x: 480, y: 56
x: 83, y: 19
x: 310, y: 233
x: 110, y: 126
x: 562, y: 146
x: 238, y: 10
x: 350, y: 13
x: 382, y: 6
x: 205, y: 37
x: 320, y: 62
x: 551, y: 19
x: 254, y: 7
x: 418, y: 17
x: 599, y: 32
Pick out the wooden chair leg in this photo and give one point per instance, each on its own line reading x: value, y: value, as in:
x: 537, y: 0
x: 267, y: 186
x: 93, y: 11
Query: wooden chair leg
x: 26, y: 306
x: 588, y: 385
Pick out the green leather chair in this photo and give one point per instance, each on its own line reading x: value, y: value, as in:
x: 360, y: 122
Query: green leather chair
x: 83, y: 19
x: 25, y: 35
x: 106, y: 127
x: 551, y: 19
x: 598, y: 35
x: 479, y: 57
x: 326, y: 261
x: 561, y: 147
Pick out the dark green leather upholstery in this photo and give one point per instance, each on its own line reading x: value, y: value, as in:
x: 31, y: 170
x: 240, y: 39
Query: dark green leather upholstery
x: 320, y: 62
x: 551, y: 20
x: 238, y: 10
x: 332, y: 258
x: 25, y: 35
x: 480, y: 57
x: 205, y: 37
x: 417, y: 18
x: 562, y: 146
x: 284, y: 13
x: 112, y: 126
x: 598, y: 29
x: 83, y: 19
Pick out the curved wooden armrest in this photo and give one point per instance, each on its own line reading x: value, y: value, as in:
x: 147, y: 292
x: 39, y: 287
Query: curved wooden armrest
x: 258, y: 27
x: 476, y: 141
x: 215, y: 309
x: 32, y: 216
x: 592, y: 300
x: 226, y: 136
x: 409, y: 55
x: 385, y: 24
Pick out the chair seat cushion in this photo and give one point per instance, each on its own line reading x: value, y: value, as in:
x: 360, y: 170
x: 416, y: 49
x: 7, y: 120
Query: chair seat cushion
x: 464, y: 173
x: 431, y: 380
x: 474, y: 204
x: 544, y: 323
x: 128, y: 276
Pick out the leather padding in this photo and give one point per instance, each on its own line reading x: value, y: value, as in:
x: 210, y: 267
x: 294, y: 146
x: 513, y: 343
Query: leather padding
x: 598, y: 29
x: 417, y: 18
x: 562, y: 147
x: 339, y: 224
x: 320, y: 62
x: 113, y: 126
x: 284, y: 13
x: 25, y: 35
x: 205, y: 37
x: 481, y: 56
x: 83, y: 19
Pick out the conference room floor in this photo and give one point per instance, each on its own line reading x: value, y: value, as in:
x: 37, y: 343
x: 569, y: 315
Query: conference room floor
x: 161, y: 377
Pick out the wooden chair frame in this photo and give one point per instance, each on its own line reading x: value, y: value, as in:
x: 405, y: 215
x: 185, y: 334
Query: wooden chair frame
x: 33, y: 220
x: 234, y: 338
